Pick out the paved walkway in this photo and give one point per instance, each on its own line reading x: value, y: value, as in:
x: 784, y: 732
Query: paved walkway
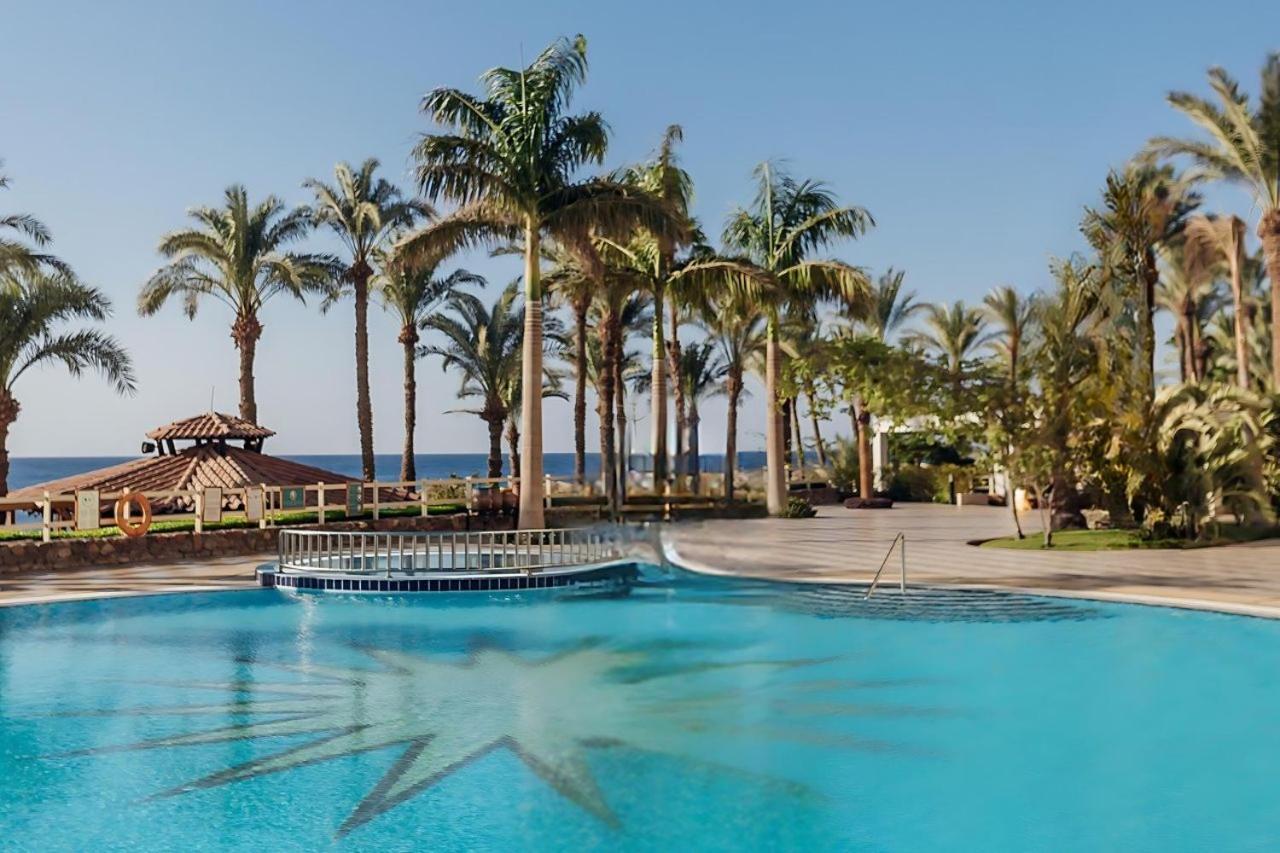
x: 846, y: 545
x: 187, y: 576
x: 838, y: 545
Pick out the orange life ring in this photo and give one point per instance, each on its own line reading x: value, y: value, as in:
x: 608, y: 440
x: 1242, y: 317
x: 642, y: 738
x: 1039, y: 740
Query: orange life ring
x: 133, y: 528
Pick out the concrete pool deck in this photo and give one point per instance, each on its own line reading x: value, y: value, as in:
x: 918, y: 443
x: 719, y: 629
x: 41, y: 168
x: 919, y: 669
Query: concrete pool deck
x: 838, y: 545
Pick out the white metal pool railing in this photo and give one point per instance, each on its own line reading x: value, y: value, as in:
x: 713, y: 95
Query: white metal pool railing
x: 308, y: 551
x: 902, y: 552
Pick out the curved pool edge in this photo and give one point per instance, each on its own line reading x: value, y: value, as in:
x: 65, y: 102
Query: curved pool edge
x: 1231, y: 608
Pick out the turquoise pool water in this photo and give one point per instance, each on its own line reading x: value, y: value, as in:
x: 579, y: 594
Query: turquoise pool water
x: 692, y: 714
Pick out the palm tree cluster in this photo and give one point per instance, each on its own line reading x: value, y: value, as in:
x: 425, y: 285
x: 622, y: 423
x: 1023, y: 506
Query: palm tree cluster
x: 1063, y: 388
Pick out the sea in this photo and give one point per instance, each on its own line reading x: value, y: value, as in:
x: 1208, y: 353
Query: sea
x: 29, y: 470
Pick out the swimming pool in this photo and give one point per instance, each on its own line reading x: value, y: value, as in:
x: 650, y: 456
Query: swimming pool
x: 697, y: 714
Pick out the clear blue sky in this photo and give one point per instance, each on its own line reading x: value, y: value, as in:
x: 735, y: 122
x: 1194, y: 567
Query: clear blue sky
x: 973, y: 132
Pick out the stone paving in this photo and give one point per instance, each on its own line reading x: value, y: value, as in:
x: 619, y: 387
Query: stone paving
x: 837, y: 546
x: 848, y: 546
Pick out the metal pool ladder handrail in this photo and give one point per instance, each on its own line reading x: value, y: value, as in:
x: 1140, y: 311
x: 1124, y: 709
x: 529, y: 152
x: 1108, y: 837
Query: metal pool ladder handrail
x: 902, y: 552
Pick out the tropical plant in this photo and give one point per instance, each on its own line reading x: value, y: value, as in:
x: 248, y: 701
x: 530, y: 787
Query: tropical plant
x: 703, y: 370
x: 236, y: 254
x: 17, y: 256
x: 35, y: 306
x: 1190, y: 295
x: 953, y: 333
x: 483, y: 345
x: 509, y: 161
x: 1243, y: 147
x: 413, y: 292
x: 739, y: 332
x: 787, y: 222
x: 1211, y: 241
x: 363, y: 211
x: 1014, y: 317
x: 887, y: 308
x: 1144, y: 209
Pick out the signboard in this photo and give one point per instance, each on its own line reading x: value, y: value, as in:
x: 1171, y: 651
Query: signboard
x: 211, y: 506
x: 88, y: 510
x: 355, y: 498
x: 253, y: 503
x: 293, y: 497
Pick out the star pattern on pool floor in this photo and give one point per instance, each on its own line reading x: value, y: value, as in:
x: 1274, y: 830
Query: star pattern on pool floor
x: 549, y: 711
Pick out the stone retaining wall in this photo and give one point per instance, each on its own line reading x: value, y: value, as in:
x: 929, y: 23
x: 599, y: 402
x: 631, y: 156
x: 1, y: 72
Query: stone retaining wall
x: 32, y: 555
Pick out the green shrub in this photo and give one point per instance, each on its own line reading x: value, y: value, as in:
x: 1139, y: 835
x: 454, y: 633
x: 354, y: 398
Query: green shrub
x: 798, y: 507
x: 915, y: 483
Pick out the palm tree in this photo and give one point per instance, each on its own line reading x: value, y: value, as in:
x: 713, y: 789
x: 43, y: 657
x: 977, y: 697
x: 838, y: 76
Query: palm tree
x: 739, y: 332
x: 236, y: 255
x: 887, y: 307
x: 1190, y: 296
x: 412, y: 292
x: 483, y: 344
x: 1144, y: 209
x: 511, y: 396
x: 952, y: 332
x: 1243, y: 148
x: 703, y: 370
x: 509, y: 161
x: 1210, y: 241
x: 656, y: 255
x: 34, y: 306
x: 787, y: 222
x: 1013, y: 314
x: 363, y: 211
x: 17, y: 255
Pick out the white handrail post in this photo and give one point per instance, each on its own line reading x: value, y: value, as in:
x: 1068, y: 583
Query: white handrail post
x: 902, y: 552
x: 46, y: 528
x: 320, y: 503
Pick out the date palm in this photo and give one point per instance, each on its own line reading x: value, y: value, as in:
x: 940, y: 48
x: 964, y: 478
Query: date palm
x: 887, y: 307
x: 739, y: 333
x: 509, y: 161
x: 363, y: 211
x: 35, y: 307
x: 22, y: 255
x: 1144, y: 209
x: 1013, y: 315
x: 788, y: 221
x: 483, y: 345
x: 1243, y: 147
x: 1190, y: 295
x: 237, y: 255
x: 703, y: 371
x: 953, y: 333
x: 1211, y: 241
x: 413, y: 292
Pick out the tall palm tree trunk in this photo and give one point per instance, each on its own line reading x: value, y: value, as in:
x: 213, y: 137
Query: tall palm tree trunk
x: 513, y: 443
x: 620, y: 410
x: 1180, y: 338
x: 866, y: 475
x: 819, y: 444
x: 695, y: 450
x: 677, y: 391
x: 608, y: 442
x: 8, y: 414
x: 734, y: 389
x: 775, y: 464
x: 245, y: 332
x: 580, y: 392
x: 409, y: 340
x: 531, y: 485
x: 1151, y: 278
x: 658, y: 397
x: 1237, y: 294
x: 495, y: 422
x: 1269, y: 232
x: 364, y: 408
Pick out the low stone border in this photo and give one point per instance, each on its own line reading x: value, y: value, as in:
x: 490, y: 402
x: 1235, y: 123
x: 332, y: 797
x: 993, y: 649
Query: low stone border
x: 30, y: 555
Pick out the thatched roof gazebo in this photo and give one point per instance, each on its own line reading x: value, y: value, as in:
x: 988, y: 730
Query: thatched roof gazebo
x: 209, y: 461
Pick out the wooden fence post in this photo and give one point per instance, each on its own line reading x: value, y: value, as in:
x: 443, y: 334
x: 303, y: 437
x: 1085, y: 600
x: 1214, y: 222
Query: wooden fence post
x: 376, y: 514
x: 46, y: 528
x: 422, y: 498
x: 198, y: 502
x: 320, y: 498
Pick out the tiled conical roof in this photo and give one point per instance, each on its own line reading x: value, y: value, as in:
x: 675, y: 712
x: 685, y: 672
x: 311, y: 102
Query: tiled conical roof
x: 210, y: 425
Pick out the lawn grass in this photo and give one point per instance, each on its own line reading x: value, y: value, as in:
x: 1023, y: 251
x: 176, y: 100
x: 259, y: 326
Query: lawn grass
x: 1121, y: 540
